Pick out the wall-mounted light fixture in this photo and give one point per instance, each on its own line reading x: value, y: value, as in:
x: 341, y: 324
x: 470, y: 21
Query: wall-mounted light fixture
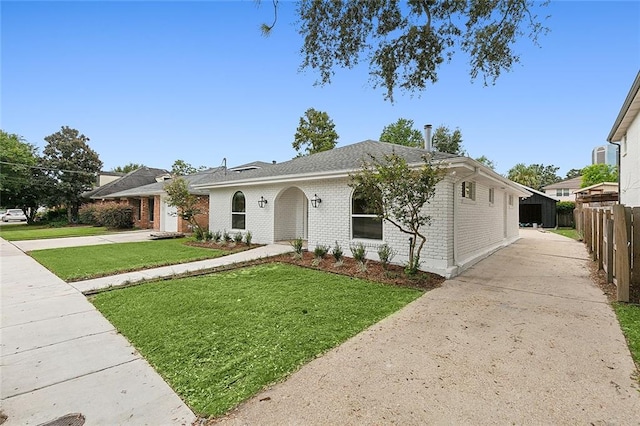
x: 315, y: 200
x: 262, y: 202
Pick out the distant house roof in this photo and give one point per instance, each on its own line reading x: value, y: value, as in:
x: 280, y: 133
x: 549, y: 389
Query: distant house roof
x: 135, y: 178
x: 573, y: 183
x: 628, y: 112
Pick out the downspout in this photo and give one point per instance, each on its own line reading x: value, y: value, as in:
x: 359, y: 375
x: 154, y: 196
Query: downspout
x: 475, y: 173
x: 618, y: 165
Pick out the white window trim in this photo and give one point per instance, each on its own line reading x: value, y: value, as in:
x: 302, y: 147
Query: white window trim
x: 244, y: 213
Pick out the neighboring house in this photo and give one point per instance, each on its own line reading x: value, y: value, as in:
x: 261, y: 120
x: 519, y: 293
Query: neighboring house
x: 626, y: 134
x: 539, y: 209
x: 151, y: 210
x: 563, y: 190
x: 473, y: 213
x: 106, y: 177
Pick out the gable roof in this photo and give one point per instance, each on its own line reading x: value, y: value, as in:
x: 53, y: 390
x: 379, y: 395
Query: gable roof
x: 142, y: 176
x: 628, y: 112
x: 533, y: 191
x: 573, y: 183
x: 335, y: 161
x: 602, y: 185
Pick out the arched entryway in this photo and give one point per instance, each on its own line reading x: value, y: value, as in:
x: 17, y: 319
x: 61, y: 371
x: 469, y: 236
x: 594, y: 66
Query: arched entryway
x: 291, y: 215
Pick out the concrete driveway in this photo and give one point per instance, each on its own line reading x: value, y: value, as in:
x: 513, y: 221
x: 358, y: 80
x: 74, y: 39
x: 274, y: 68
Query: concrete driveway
x: 524, y: 337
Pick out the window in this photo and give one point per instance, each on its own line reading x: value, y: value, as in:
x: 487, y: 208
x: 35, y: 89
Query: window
x: 492, y: 196
x: 365, y: 222
x: 469, y: 190
x: 151, y: 208
x: 562, y: 192
x: 238, y: 210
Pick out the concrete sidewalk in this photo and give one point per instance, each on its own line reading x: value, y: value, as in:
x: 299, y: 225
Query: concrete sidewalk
x: 183, y: 268
x: 121, y: 237
x: 59, y: 355
x: 523, y: 337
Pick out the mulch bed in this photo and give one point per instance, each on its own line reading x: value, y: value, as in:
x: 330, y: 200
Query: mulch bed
x: 393, y: 274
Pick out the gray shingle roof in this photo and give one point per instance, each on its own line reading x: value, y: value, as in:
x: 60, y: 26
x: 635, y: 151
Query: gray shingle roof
x: 133, y: 179
x: 347, y: 158
x: 573, y: 183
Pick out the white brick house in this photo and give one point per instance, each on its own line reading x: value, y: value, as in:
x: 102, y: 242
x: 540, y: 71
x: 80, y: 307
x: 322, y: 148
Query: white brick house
x: 626, y: 134
x: 463, y: 230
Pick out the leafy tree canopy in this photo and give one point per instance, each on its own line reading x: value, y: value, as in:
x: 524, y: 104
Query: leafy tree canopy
x: 127, y: 168
x: 597, y: 173
x: 407, y: 42
x: 398, y: 193
x: 315, y: 133
x: 17, y: 158
x: 72, y: 164
x: 484, y: 160
x: 444, y: 140
x: 402, y: 133
x: 182, y: 168
x: 534, y: 176
x: 573, y: 173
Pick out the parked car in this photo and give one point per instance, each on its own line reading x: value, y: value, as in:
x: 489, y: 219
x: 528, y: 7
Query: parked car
x: 14, y: 214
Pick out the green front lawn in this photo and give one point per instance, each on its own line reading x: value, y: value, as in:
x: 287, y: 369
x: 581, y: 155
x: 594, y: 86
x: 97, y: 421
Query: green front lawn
x: 79, y: 263
x: 41, y: 232
x: 629, y: 318
x: 219, y: 339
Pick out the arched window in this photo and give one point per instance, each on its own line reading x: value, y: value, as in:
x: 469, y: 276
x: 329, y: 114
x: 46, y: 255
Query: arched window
x: 238, y: 211
x: 365, y: 220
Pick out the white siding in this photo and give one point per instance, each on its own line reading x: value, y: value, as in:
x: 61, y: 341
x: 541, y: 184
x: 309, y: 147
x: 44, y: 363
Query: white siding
x: 629, y: 166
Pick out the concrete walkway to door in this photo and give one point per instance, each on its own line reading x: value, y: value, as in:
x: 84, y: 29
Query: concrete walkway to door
x: 523, y: 337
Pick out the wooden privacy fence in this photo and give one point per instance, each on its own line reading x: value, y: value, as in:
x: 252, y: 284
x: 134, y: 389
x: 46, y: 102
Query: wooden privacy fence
x: 612, y: 237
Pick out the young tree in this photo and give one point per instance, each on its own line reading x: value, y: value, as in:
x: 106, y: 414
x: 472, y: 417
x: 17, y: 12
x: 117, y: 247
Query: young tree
x: 597, y: 173
x: 398, y: 194
x: 402, y: 133
x: 182, y: 168
x: 489, y: 163
x: 315, y: 133
x: 127, y: 168
x: 188, y: 204
x: 446, y: 141
x: 73, y: 165
x: 407, y: 42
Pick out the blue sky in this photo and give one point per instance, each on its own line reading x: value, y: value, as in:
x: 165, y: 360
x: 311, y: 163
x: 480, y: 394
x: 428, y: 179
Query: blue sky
x: 152, y: 82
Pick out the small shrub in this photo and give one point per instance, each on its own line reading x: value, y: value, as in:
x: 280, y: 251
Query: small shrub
x: 386, y: 254
x: 199, y: 233
x: 248, y: 236
x: 217, y: 236
x: 208, y: 235
x: 320, y: 251
x: 337, y: 253
x: 412, y: 270
x: 298, y: 245
x: 115, y: 216
x: 226, y: 237
x: 359, y: 252
x: 238, y: 237
x: 58, y: 223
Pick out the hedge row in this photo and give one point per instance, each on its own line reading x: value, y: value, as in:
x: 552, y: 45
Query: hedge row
x: 110, y: 215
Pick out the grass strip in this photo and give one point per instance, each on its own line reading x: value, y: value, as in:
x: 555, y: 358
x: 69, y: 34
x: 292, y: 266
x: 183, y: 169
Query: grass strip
x: 20, y: 232
x: 629, y: 319
x: 219, y: 339
x: 80, y: 263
